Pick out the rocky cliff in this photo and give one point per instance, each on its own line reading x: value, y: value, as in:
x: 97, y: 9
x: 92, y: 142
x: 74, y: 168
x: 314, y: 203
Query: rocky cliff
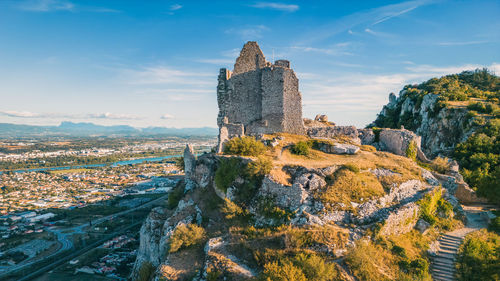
x: 253, y: 211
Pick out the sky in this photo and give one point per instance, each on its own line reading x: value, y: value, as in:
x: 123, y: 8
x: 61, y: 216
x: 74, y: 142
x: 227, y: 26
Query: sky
x: 155, y: 63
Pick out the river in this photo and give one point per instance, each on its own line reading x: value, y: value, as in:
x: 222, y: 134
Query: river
x: 114, y: 164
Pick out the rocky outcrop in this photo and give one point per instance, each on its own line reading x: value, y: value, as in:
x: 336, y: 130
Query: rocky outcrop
x: 440, y: 128
x: 338, y: 148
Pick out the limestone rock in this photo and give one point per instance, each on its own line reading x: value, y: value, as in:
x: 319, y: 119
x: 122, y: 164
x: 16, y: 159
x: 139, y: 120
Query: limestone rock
x: 422, y: 226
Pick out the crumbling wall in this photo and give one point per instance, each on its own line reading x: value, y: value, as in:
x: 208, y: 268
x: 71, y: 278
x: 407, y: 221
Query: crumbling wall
x: 261, y: 97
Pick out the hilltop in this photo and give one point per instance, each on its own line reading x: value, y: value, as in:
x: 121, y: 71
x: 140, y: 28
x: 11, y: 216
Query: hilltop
x: 287, y: 199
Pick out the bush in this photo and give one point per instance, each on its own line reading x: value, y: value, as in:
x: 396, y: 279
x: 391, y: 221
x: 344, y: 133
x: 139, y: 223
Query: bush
x: 185, y: 236
x: 479, y: 257
x: 412, y: 150
x: 146, y: 271
x: 495, y: 225
x: 175, y: 196
x: 267, y: 208
x: 301, y: 148
x: 259, y: 168
x: 179, y: 163
x: 300, y: 267
x: 368, y: 261
x: 233, y: 211
x: 282, y: 272
x: 245, y: 146
x: 228, y: 170
x: 428, y: 206
x: 440, y: 165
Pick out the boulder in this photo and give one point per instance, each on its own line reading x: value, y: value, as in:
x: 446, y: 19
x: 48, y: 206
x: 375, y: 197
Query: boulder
x: 422, y: 225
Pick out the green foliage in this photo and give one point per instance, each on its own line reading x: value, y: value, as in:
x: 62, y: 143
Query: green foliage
x: 245, y: 146
x: 351, y: 167
x: 232, y: 211
x: 175, y: 196
x: 428, y: 206
x: 179, y: 163
x: 483, y: 107
x: 412, y: 150
x: 301, y: 148
x: 145, y: 272
x: 267, y: 208
x: 416, y: 268
x: 479, y: 257
x: 479, y: 157
x: 259, y: 168
x: 228, y: 170
x: 185, y: 236
x: 213, y: 275
x: 495, y: 225
x: 300, y: 267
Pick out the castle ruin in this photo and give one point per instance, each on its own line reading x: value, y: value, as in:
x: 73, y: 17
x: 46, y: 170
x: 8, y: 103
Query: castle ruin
x: 258, y: 97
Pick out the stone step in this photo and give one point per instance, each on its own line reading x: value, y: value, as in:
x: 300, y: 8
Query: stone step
x: 442, y: 278
x: 448, y: 248
x: 453, y: 246
x: 455, y: 242
x: 447, y: 262
x: 450, y: 237
x: 443, y: 273
x: 443, y: 267
x: 450, y: 240
x: 443, y: 253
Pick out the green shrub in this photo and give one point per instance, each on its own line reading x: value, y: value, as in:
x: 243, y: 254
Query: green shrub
x: 299, y: 267
x: 479, y: 257
x: 245, y: 146
x: 259, y: 168
x: 175, y: 196
x: 301, y: 148
x: 233, y: 211
x: 495, y: 225
x: 428, y: 206
x: 179, y: 163
x: 146, y: 271
x: 412, y: 150
x: 376, y: 132
x: 185, y: 236
x: 275, y: 271
x: 351, y: 167
x: 228, y: 170
x: 267, y: 208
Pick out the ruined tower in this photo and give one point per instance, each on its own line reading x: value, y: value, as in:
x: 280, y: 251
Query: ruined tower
x: 258, y: 97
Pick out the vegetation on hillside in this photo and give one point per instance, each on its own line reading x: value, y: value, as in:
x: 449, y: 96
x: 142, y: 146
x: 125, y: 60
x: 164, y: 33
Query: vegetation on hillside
x: 479, y: 155
x: 244, y: 146
x: 479, y: 257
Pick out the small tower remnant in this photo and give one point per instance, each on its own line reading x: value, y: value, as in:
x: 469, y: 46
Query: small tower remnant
x: 258, y: 97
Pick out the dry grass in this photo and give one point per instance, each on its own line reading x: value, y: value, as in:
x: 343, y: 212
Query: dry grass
x: 280, y: 176
x: 414, y: 243
x: 331, y: 236
x: 349, y: 186
x: 369, y: 261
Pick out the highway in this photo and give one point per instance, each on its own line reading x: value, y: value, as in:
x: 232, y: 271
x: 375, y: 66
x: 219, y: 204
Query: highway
x: 64, y: 237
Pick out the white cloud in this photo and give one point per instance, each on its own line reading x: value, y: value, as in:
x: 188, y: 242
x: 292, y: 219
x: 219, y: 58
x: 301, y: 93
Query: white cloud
x: 463, y: 43
x: 167, y: 116
x: 361, y: 19
x: 248, y: 32
x: 276, y: 6
x: 19, y: 114
x: 47, y: 5
x: 108, y: 115
x: 162, y: 74
x: 175, y: 7
x: 216, y: 61
x: 353, y: 96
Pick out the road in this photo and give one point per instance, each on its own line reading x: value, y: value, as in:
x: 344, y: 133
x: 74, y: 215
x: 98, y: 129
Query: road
x: 64, y: 235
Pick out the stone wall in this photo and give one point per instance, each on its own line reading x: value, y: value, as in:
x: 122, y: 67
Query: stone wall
x: 333, y: 132
x: 260, y: 97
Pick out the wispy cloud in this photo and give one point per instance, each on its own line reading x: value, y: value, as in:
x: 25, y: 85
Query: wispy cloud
x: 167, y: 76
x: 167, y: 116
x: 461, y: 43
x: 47, y: 5
x: 216, y: 61
x: 355, y: 96
x: 175, y: 7
x: 34, y: 115
x: 248, y: 32
x: 60, y: 5
x: 276, y: 6
x: 362, y: 19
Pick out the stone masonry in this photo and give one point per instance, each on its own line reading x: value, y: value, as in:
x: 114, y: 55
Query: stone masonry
x: 258, y: 97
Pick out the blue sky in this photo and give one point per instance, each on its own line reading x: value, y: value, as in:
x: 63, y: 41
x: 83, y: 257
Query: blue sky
x: 155, y: 63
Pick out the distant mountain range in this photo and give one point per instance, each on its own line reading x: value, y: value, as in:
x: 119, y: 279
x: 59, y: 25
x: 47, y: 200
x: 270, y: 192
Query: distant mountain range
x: 89, y: 129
